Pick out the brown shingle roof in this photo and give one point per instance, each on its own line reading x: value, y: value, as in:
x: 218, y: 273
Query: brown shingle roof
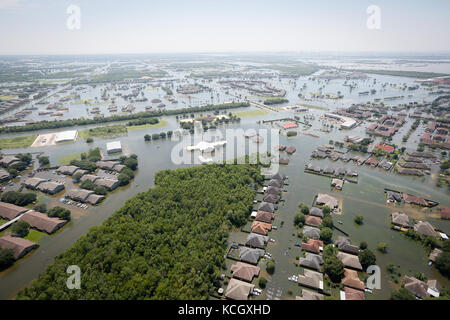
x: 42, y: 222
x: 261, y: 227
x: 244, y: 271
x: 19, y: 246
x: 352, y: 280
x: 264, y: 216
x: 10, y: 211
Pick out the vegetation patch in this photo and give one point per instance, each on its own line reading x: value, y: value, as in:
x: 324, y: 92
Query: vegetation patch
x: 66, y: 159
x: 104, y: 132
x: 252, y: 113
x: 166, y: 243
x: 17, y: 142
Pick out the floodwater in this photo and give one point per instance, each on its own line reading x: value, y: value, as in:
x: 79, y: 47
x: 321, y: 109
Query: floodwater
x: 366, y: 198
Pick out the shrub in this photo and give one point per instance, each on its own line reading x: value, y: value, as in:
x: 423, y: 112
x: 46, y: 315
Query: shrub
x: 359, y: 219
x: 326, y: 234
x: 59, y: 212
x: 40, y: 207
x: 262, y: 282
x: 270, y: 266
x: 19, y: 198
x: 6, y: 258
x: 382, y: 247
x: 366, y: 258
x: 20, y: 229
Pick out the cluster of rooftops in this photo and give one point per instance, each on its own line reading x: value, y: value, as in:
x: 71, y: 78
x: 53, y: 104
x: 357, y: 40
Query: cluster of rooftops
x: 37, y: 220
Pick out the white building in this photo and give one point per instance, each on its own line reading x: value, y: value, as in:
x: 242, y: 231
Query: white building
x: 113, y: 147
x: 63, y: 136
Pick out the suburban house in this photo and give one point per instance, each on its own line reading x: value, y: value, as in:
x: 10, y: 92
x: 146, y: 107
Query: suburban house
x: 425, y: 228
x: 271, y: 198
x: 311, y: 261
x: 4, y: 175
x: 311, y: 279
x: 344, y: 245
x: 352, y: 280
x: 272, y: 190
x: 309, y: 295
x: 337, y: 183
x: 317, y: 212
x: 264, y: 216
x: 244, y: 271
x: 6, y: 161
x: 261, y: 227
x: 82, y: 195
x: 110, y: 184
x: 421, y: 289
x: 278, y: 176
x: 238, y: 290
x: 19, y: 246
x: 352, y: 294
x: 68, y: 170
x: 312, y: 245
x: 268, y: 207
x: 10, y: 211
x: 43, y: 222
x: 414, y: 200
x: 250, y: 255
x: 110, y: 165
x: 349, y: 260
x: 276, y: 183
x: 400, y: 219
x: 311, y: 232
x: 445, y: 212
x: 434, y: 254
x: 326, y: 200
x: 90, y: 177
x: 51, y: 187
x: 313, y: 221
x: 256, y: 240
x: 33, y: 183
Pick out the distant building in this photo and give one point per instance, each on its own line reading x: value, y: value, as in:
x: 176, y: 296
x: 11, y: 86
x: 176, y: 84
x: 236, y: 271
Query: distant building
x: 43, y: 222
x: 65, y: 136
x: 10, y: 211
x: 19, y: 246
x: 113, y: 147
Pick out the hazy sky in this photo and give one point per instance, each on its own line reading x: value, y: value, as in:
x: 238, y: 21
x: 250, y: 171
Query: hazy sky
x: 132, y: 26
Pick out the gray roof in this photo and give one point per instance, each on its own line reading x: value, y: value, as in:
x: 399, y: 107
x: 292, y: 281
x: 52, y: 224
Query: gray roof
x: 250, y: 255
x: 265, y: 206
x: 311, y: 232
x: 256, y: 240
x: 400, y: 219
x: 314, y: 211
x: 344, y: 245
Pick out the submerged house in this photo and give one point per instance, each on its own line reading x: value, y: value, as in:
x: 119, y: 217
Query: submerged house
x: 344, y: 245
x: 19, y: 246
x: 261, y: 227
x: 43, y: 222
x: 10, y: 211
x: 349, y: 260
x: 311, y: 279
x: 244, y: 271
x: 238, y: 290
x: 255, y: 240
x: 266, y: 206
x: 400, y: 219
x: 250, y: 255
x: 311, y: 232
x: 425, y: 228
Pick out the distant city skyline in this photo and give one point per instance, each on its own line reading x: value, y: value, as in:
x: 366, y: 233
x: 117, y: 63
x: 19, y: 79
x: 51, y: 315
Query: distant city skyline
x: 202, y: 26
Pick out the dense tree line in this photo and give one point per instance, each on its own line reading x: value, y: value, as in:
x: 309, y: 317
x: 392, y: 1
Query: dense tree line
x: 140, y: 115
x: 18, y: 198
x: 166, y: 243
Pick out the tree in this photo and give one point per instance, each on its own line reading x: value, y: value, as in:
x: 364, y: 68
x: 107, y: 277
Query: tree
x: 366, y: 258
x: 101, y: 190
x: 43, y: 160
x: 20, y: 229
x: 442, y: 263
x: 299, y: 219
x: 147, y: 137
x: 326, y: 234
x: 334, y: 268
x: 363, y: 245
x: 77, y: 176
x: 304, y: 209
x: 327, y: 222
x: 326, y: 210
x: 131, y: 163
x: 382, y: 247
x: 124, y: 179
x: 40, y: 207
x: 19, y: 198
x: 59, y: 212
x: 262, y: 282
x: 89, y: 140
x: 270, y: 266
x: 359, y: 219
x: 6, y: 258
x: 402, y: 294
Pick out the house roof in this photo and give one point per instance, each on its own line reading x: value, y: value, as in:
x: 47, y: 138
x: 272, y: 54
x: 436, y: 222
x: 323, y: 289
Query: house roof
x: 264, y: 216
x: 91, y: 177
x: 312, y: 245
x: 244, y: 271
x: 349, y: 260
x: 314, y: 211
x: 310, y: 295
x: 34, y: 182
x: 18, y: 245
x: 108, y: 165
x: 408, y: 198
x: 78, y: 194
x: 416, y: 287
x: 10, y: 211
x: 238, y: 290
x: 344, y: 245
x: 425, y: 228
x: 313, y: 220
x: 108, y: 183
x: 352, y: 280
x: 250, y: 255
x: 434, y: 254
x: 311, y: 279
x: 327, y: 200
x: 261, y: 227
x: 50, y: 186
x: 271, y: 198
x: 256, y: 240
x: 69, y: 170
x: 353, y: 294
x: 275, y: 183
x: 400, y: 219
x: 42, y: 222
x: 311, y: 232
x: 385, y: 147
x: 312, y: 261
x: 445, y: 212
x: 266, y: 206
